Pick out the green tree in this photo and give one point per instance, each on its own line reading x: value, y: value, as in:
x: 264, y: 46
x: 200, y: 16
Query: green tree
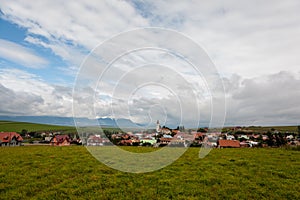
x: 202, y: 130
x: 24, y: 132
x: 282, y: 139
x: 270, y: 141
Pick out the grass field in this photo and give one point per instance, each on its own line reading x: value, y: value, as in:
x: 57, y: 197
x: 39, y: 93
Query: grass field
x: 8, y: 126
x: 278, y: 128
x: 45, y: 172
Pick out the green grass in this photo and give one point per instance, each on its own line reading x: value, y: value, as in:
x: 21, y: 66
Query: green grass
x: 9, y: 126
x: 45, y: 172
x: 278, y: 128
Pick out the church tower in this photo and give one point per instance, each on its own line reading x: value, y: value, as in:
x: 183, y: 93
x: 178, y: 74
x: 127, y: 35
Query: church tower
x: 158, y: 128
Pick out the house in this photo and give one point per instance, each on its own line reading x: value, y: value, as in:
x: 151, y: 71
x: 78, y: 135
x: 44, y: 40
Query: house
x: 229, y: 144
x: 166, y: 130
x: 175, y: 131
x: 290, y: 137
x: 139, y: 135
x: 265, y: 137
x: 244, y: 144
x: 175, y: 142
x: 130, y: 142
x: 243, y: 137
x: 166, y: 139
x: 60, y: 140
x: 253, y: 143
x: 147, y: 141
x: 48, y: 139
x: 199, y: 136
x: 183, y: 136
x: 10, y: 139
x: 212, y: 140
x: 96, y: 140
x: 255, y: 136
x: 208, y: 142
x: 230, y: 137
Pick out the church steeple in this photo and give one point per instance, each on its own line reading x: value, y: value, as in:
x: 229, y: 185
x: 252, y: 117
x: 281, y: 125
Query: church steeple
x: 158, y: 128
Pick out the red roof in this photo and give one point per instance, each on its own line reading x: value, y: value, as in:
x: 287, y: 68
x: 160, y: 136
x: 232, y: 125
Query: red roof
x: 62, y: 138
x: 229, y: 143
x: 128, y: 141
x: 8, y: 136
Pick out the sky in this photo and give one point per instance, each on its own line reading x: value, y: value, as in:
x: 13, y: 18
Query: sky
x: 253, y: 45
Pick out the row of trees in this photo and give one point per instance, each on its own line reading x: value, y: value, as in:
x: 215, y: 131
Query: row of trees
x: 275, y: 139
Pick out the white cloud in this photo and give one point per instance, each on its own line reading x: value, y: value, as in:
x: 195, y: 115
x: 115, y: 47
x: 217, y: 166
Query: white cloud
x: 251, y: 45
x: 20, y: 103
x: 264, y: 100
x: 240, y: 37
x: 18, y: 54
x: 72, y: 26
x: 28, y: 94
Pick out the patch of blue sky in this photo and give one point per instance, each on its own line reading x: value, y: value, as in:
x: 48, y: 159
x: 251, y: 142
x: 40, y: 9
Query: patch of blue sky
x: 11, y: 32
x: 143, y: 8
x: 54, y: 77
x: 104, y: 97
x: 147, y: 10
x: 51, y: 72
x: 6, y: 64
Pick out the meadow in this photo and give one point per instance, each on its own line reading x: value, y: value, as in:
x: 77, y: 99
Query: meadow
x: 12, y: 126
x: 9, y: 126
x: 46, y: 172
x: 278, y: 128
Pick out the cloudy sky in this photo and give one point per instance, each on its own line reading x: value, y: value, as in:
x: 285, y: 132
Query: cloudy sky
x: 254, y: 46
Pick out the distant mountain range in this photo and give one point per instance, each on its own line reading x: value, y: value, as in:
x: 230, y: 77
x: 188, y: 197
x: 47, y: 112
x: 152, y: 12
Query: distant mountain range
x: 69, y: 121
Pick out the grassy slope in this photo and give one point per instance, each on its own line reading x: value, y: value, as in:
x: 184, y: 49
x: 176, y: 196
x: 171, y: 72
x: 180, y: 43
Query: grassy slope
x: 7, y: 126
x: 72, y: 173
x: 278, y: 128
x: 19, y: 126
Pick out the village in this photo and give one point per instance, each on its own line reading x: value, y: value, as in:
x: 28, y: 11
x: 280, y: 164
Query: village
x: 236, y: 137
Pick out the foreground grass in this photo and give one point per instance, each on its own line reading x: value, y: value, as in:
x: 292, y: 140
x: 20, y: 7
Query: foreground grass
x: 37, y: 172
